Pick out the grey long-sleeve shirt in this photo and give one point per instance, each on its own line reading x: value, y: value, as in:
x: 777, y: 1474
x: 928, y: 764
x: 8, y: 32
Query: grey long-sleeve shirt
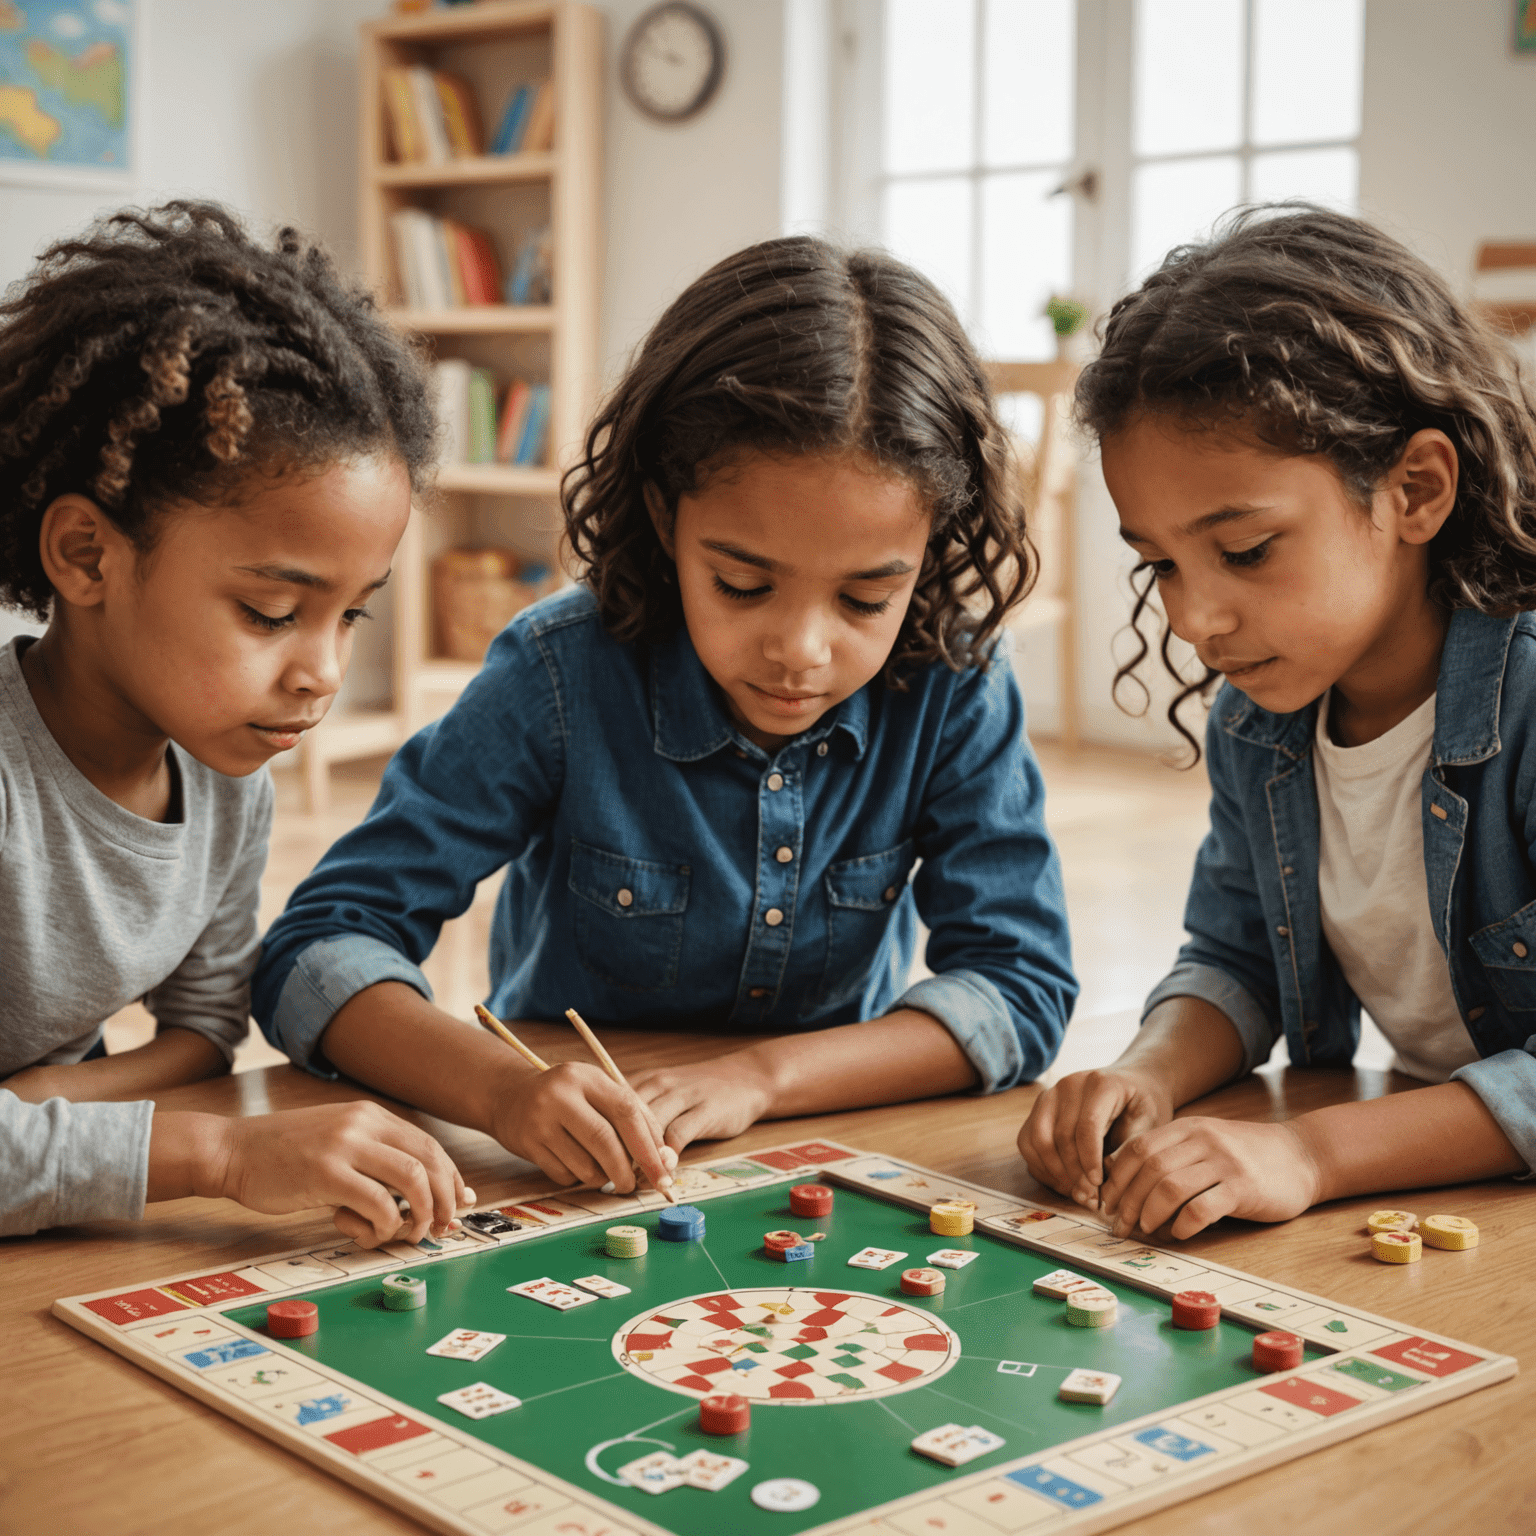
x: 98, y: 908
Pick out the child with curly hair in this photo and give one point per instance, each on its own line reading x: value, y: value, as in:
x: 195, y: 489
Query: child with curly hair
x: 1328, y: 469
x: 207, y: 453
x: 711, y: 769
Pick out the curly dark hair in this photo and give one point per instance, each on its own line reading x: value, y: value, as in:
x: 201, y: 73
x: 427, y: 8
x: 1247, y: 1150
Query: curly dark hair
x: 1316, y: 333
x: 796, y: 346
x: 165, y: 355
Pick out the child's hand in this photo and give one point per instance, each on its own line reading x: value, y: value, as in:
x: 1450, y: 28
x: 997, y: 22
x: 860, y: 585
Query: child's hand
x: 580, y: 1127
x: 706, y: 1100
x: 1210, y: 1168
x: 348, y: 1156
x: 1062, y: 1141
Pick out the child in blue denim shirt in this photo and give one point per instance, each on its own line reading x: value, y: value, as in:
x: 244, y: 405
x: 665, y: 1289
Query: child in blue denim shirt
x: 1328, y: 469
x: 711, y: 769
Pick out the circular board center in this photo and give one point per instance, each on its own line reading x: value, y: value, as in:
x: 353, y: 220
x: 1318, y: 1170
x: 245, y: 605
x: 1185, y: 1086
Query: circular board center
x: 787, y: 1344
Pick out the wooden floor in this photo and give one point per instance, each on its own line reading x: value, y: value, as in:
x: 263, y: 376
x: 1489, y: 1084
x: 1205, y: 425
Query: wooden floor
x: 1127, y: 825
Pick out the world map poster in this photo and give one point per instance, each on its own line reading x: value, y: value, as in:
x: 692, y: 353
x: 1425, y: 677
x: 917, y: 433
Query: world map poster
x: 64, y: 84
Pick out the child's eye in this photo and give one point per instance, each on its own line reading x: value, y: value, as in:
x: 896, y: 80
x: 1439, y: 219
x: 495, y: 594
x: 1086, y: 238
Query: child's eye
x: 740, y: 594
x: 265, y: 620
x: 353, y: 615
x: 1242, y: 558
x: 868, y: 609
x: 1161, y: 569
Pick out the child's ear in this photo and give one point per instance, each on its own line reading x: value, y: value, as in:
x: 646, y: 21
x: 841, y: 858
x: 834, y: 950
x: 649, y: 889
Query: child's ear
x: 1424, y: 480
x: 661, y: 520
x: 75, y: 540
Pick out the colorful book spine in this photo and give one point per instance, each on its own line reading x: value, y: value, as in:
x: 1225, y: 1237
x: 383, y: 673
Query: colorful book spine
x: 429, y: 115
x: 461, y: 115
x: 514, y: 417
x: 540, y: 133
x: 514, y: 118
x: 530, y: 279
x: 482, y: 416
x: 452, y: 376
x: 400, y: 113
x: 535, y: 439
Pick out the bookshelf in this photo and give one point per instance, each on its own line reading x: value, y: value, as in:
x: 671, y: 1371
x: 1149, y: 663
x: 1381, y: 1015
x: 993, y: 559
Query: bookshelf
x: 494, y: 45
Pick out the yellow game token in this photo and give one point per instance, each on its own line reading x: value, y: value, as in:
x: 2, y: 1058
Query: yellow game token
x: 952, y: 1218
x: 1450, y: 1232
x: 1391, y: 1221
x: 1397, y: 1247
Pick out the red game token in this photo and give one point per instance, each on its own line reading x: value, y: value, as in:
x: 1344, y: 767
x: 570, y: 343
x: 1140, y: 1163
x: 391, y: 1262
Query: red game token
x: 724, y: 1413
x: 810, y: 1200
x: 292, y: 1319
x: 922, y: 1282
x: 1196, y: 1309
x: 1276, y: 1352
x: 775, y: 1243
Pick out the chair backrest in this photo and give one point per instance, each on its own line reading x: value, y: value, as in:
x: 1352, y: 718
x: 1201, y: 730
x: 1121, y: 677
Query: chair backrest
x: 1509, y: 301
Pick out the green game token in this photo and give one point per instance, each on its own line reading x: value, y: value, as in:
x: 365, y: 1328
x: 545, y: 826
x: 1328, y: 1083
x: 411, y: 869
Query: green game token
x: 404, y: 1293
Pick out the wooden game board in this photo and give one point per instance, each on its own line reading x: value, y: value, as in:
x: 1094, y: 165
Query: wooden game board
x: 606, y: 1383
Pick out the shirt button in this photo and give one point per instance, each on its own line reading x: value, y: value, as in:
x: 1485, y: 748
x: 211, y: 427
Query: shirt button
x: 626, y: 898
x: 758, y: 992
x: 1520, y: 949
x: 1438, y: 810
x: 1287, y: 870
x: 775, y: 781
x: 821, y: 750
x: 784, y: 855
x: 1283, y: 931
x: 1476, y: 1013
x: 890, y: 893
x: 740, y: 753
x: 773, y: 917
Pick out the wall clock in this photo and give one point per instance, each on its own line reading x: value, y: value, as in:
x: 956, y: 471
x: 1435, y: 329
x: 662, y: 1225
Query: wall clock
x: 672, y: 61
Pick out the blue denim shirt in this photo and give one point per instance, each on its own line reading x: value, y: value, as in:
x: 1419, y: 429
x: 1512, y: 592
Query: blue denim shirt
x: 1256, y: 949
x: 664, y: 870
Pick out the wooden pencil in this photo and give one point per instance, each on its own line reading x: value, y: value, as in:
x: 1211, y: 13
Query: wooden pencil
x: 496, y: 1027
x: 611, y: 1067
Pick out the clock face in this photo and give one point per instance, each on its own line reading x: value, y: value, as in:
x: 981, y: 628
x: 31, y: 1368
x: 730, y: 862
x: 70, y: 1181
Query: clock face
x: 673, y: 59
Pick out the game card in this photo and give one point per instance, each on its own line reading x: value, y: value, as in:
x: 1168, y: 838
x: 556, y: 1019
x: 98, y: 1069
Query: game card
x: 466, y: 1344
x: 660, y: 1472
x: 601, y: 1285
x: 561, y: 1297
x: 875, y: 1258
x: 709, y: 1471
x: 480, y: 1401
x: 952, y: 1258
x: 954, y: 1444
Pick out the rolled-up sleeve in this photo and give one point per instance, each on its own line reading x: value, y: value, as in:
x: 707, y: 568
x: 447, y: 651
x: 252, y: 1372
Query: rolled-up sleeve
x: 62, y: 1163
x: 458, y: 801
x: 989, y: 890
x: 1506, y: 1083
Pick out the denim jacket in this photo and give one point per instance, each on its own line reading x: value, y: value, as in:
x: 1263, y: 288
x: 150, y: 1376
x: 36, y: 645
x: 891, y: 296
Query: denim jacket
x: 1256, y: 949
x: 664, y: 870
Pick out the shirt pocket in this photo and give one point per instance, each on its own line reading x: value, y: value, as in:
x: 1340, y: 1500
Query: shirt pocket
x: 628, y: 917
x: 1508, y: 953
x: 862, y: 895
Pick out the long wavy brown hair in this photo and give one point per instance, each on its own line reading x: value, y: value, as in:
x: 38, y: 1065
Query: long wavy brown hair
x: 1315, y: 333
x: 796, y: 346
x: 164, y: 356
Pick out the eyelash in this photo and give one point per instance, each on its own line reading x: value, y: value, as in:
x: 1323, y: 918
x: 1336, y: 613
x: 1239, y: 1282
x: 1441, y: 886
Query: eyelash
x: 1242, y: 560
x: 747, y: 594
x: 265, y: 620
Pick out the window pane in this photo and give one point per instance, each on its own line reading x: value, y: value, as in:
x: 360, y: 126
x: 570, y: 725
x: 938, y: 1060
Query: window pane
x: 1307, y: 70
x: 930, y: 52
x: 1319, y: 175
x: 1023, y: 415
x: 1029, y: 71
x: 1188, y: 86
x: 1176, y: 202
x: 928, y: 223
x: 1026, y: 256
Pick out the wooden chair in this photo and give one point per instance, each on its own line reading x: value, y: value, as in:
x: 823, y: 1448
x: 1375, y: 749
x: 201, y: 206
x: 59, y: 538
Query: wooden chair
x: 1515, y: 316
x: 1049, y: 467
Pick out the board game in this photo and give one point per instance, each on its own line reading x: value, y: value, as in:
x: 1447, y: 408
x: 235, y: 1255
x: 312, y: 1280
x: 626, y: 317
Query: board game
x: 510, y: 1398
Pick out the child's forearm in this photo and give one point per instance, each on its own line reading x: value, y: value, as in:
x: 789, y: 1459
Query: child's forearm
x: 1188, y: 1045
x: 173, y: 1057
x: 1429, y: 1136
x: 905, y: 1055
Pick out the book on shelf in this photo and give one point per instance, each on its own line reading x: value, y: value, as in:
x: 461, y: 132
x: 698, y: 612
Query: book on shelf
x: 529, y: 282
x: 433, y: 117
x: 523, y: 437
x: 444, y: 264
x: 527, y: 123
x: 471, y: 433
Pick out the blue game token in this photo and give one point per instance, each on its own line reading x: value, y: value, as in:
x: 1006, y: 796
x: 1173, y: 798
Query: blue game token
x: 680, y: 1224
x: 803, y: 1251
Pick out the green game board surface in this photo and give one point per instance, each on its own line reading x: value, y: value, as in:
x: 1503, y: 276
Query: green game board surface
x: 576, y: 1395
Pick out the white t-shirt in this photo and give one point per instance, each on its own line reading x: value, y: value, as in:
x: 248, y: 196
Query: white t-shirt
x: 1374, y: 896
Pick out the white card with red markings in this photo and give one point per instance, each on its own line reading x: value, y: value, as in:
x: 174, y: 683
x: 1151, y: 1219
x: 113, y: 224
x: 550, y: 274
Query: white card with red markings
x: 875, y: 1258
x: 467, y: 1344
x: 480, y: 1401
x: 561, y: 1297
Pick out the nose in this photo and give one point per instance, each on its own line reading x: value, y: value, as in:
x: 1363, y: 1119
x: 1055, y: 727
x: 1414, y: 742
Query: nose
x: 1200, y: 611
x: 799, y: 643
x: 317, y: 666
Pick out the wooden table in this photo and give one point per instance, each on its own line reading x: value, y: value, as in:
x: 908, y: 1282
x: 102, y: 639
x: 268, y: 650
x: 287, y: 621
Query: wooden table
x: 90, y: 1444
